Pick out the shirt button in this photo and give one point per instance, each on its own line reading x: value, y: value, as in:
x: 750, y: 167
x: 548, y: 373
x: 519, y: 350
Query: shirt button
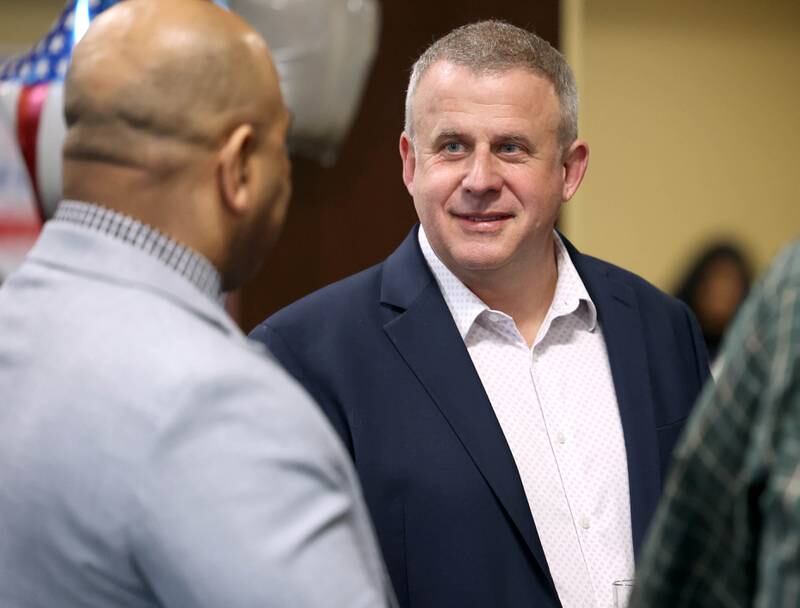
x: 561, y: 438
x: 585, y: 522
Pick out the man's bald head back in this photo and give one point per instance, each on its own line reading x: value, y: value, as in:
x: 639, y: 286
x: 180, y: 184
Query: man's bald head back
x: 174, y: 117
x: 153, y: 79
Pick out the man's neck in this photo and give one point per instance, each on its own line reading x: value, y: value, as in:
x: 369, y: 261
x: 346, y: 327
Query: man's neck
x: 160, y: 202
x: 523, y: 293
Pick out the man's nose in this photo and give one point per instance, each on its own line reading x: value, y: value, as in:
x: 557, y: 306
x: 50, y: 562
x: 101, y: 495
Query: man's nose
x: 482, y: 174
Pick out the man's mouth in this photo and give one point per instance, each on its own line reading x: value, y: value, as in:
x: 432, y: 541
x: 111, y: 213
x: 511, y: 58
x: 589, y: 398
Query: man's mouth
x: 483, y: 217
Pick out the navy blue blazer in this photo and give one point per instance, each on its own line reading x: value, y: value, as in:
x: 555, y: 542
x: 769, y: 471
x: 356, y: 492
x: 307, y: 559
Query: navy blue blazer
x: 381, y: 354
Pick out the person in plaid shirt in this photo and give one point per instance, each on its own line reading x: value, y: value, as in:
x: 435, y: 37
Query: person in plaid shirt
x: 727, y: 532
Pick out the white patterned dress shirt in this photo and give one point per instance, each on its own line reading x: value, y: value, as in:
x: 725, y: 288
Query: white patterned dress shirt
x: 557, y: 407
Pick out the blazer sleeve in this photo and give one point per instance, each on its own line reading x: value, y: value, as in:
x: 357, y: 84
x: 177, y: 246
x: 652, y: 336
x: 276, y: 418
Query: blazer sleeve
x: 271, y: 337
x: 248, y: 499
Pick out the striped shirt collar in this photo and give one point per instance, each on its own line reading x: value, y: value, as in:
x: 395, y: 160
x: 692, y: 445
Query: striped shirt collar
x: 570, y: 294
x: 191, y: 265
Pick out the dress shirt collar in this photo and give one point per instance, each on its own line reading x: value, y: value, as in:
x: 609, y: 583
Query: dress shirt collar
x: 188, y: 263
x: 570, y: 294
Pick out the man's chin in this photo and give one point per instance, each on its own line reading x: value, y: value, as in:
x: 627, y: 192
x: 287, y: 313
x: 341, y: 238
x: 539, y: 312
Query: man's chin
x: 479, y: 264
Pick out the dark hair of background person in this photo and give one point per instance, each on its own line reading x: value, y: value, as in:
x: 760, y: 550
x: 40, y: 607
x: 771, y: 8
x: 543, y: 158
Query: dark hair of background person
x: 714, y: 286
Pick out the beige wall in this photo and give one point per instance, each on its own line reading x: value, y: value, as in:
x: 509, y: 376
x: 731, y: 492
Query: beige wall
x: 23, y: 22
x: 691, y: 109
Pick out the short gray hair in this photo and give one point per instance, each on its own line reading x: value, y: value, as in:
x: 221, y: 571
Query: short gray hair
x: 493, y: 46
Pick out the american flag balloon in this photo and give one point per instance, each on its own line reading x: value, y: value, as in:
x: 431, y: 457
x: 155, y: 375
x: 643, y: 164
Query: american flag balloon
x: 31, y: 97
x: 32, y: 94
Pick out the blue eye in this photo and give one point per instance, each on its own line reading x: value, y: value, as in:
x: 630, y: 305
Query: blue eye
x: 453, y: 147
x: 510, y: 148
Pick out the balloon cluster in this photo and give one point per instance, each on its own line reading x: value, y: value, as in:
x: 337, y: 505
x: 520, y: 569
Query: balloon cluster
x: 322, y: 48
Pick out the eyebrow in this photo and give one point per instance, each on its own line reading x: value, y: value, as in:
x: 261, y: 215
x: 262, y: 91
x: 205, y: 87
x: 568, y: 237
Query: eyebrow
x: 513, y: 138
x: 448, y: 134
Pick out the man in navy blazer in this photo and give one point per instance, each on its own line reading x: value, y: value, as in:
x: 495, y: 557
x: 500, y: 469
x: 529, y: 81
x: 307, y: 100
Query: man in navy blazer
x: 510, y: 403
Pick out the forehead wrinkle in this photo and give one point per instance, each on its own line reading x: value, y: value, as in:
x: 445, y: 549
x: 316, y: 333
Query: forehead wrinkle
x: 474, y: 112
x: 522, y: 129
x: 500, y: 126
x: 464, y: 103
x: 445, y: 83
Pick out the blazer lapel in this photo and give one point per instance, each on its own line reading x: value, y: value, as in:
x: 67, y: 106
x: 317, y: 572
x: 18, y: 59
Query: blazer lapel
x: 426, y: 337
x: 621, y: 321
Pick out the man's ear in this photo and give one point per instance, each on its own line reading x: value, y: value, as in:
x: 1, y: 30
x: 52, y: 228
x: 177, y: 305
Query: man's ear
x: 409, y: 161
x: 233, y: 168
x: 576, y: 160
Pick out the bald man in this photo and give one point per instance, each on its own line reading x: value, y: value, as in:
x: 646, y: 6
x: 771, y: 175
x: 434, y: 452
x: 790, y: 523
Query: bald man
x: 149, y: 455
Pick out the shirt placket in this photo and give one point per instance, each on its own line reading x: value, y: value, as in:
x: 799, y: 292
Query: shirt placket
x: 575, y: 589
x: 598, y: 520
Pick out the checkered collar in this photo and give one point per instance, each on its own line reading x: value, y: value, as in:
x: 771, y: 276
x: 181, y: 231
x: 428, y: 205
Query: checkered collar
x: 191, y: 265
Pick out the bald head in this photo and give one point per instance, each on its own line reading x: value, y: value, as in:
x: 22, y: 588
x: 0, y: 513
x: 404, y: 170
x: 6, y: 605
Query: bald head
x: 152, y: 78
x: 174, y: 116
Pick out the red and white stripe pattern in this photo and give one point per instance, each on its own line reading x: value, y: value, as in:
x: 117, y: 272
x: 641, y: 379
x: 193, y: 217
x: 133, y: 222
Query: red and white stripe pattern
x: 31, y: 96
x: 36, y: 122
x: 32, y: 129
x: 31, y: 99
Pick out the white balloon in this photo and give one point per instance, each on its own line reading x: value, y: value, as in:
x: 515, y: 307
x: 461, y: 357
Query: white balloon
x: 323, y: 50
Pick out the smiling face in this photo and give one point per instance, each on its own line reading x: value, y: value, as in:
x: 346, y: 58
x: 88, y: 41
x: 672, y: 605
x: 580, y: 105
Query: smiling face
x: 486, y: 170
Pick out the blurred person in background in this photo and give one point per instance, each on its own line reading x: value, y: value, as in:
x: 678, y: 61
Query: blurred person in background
x: 716, y: 283
x: 727, y: 533
x: 150, y: 455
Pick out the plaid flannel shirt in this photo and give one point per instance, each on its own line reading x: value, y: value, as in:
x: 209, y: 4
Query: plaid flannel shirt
x: 727, y: 532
